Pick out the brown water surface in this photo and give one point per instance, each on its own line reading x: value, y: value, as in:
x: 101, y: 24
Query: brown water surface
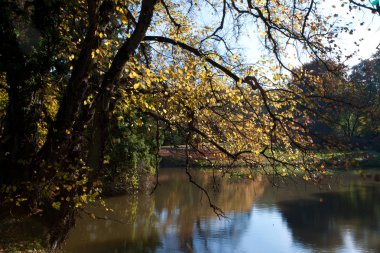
x: 342, y: 215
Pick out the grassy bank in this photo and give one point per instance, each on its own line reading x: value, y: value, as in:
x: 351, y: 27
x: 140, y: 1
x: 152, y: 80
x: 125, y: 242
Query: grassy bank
x: 351, y: 159
x: 176, y: 157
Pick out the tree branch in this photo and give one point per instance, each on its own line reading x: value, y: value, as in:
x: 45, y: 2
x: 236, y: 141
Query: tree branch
x: 377, y: 9
x: 170, y: 16
x: 110, y: 81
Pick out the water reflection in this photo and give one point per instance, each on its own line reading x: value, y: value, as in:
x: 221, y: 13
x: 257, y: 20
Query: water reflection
x: 330, y: 220
x: 295, y: 218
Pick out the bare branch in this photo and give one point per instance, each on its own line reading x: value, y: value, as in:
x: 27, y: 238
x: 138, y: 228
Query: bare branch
x: 374, y: 10
x: 306, y: 17
x: 170, y: 16
x: 220, y: 27
x: 219, y: 212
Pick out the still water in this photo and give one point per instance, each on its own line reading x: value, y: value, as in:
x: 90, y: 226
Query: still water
x: 342, y: 215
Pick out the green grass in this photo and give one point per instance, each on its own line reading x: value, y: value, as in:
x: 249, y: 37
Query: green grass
x: 351, y: 159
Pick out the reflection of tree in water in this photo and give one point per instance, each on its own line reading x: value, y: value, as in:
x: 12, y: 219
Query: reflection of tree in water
x: 175, y: 218
x: 194, y: 220
x: 212, y: 235
x: 323, y: 222
x: 129, y: 228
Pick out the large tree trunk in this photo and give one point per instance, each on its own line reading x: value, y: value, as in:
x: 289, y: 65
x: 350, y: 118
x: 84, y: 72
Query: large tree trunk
x: 111, y: 79
x: 58, y: 142
x: 59, y: 224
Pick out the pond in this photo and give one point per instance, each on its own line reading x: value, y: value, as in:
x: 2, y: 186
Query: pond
x: 341, y: 215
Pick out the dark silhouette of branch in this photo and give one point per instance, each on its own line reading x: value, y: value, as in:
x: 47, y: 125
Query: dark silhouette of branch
x: 374, y: 10
x: 217, y: 210
x: 170, y: 16
x: 306, y: 17
x: 221, y: 24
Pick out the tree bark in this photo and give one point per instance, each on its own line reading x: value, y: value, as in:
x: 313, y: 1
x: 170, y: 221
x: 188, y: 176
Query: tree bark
x: 71, y: 103
x: 102, y: 112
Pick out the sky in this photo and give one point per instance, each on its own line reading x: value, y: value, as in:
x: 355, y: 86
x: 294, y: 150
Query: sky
x: 369, y: 32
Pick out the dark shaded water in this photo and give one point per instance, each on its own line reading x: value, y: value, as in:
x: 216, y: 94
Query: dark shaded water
x: 343, y: 215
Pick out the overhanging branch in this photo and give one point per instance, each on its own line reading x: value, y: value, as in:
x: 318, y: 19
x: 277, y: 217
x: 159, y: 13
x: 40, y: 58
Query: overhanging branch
x: 195, y: 51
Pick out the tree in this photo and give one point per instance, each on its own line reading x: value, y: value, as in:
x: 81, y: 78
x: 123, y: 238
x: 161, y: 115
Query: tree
x: 340, y: 105
x: 366, y: 77
x: 71, y: 68
x: 346, y: 104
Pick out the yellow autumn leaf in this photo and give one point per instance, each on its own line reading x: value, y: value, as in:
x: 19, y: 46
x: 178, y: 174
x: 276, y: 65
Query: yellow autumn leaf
x: 136, y: 86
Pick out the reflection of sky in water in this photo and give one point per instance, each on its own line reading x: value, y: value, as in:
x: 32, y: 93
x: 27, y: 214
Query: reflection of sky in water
x: 262, y: 230
x: 344, y: 221
x: 267, y: 232
x: 349, y: 243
